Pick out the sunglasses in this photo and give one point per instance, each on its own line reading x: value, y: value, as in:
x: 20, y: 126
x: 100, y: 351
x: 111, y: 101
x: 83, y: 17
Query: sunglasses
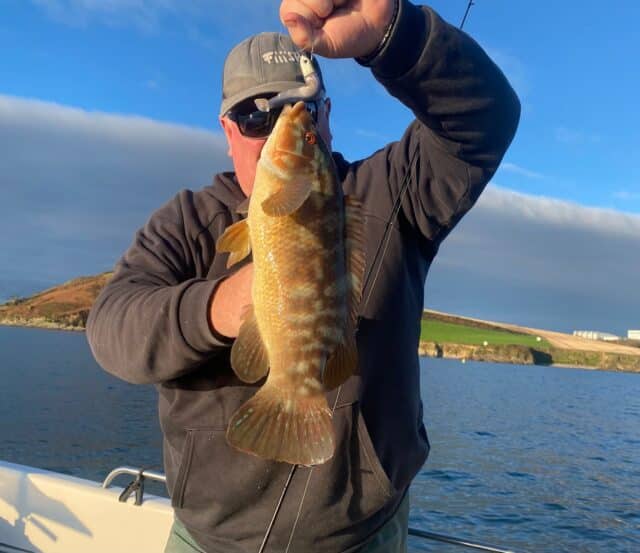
x: 254, y: 123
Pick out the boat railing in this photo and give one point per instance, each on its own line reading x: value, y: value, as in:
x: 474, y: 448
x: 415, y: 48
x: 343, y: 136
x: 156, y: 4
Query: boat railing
x: 140, y: 475
x: 137, y: 484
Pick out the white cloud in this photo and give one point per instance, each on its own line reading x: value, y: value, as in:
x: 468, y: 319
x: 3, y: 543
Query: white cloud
x: 576, y: 137
x: 541, y: 261
x: 560, y: 213
x: 77, y: 184
x: 513, y: 168
x: 197, y: 18
x: 626, y: 195
x: 32, y: 114
x: 513, y: 68
x: 372, y: 134
x: 142, y: 13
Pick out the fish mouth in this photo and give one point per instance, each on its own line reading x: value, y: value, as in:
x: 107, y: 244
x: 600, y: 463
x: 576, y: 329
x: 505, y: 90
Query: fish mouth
x: 294, y: 111
x: 297, y: 107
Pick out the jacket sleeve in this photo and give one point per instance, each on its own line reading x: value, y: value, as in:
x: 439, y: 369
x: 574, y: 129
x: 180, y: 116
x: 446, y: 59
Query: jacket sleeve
x: 150, y: 322
x: 466, y: 116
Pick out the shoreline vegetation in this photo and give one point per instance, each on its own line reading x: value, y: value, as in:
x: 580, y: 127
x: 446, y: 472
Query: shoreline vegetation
x: 443, y: 335
x: 455, y: 337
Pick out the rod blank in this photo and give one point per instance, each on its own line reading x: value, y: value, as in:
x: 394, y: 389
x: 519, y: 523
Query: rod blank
x: 457, y: 541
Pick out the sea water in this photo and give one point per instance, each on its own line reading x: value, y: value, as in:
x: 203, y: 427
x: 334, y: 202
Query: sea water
x: 526, y: 458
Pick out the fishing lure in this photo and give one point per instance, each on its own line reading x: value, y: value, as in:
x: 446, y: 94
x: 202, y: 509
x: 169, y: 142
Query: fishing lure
x: 310, y: 90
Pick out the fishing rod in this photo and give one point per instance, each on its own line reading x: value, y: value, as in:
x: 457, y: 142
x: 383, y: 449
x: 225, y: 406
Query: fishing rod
x: 471, y: 3
x: 377, y: 264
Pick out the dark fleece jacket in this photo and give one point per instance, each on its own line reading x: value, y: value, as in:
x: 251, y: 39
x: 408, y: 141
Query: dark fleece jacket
x: 150, y: 323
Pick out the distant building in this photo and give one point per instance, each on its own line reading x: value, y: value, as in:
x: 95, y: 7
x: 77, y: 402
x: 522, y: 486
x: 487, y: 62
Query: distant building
x: 633, y: 334
x: 596, y: 335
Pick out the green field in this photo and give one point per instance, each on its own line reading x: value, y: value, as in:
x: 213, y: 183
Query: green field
x: 443, y: 332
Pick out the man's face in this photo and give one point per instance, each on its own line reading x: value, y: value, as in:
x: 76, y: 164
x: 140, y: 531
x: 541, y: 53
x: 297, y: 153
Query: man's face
x: 245, y: 151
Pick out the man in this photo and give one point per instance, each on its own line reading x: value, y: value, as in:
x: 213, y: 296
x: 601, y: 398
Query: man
x: 171, y: 312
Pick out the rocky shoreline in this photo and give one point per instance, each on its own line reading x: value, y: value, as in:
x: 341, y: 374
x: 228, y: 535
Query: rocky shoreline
x: 523, y: 355
x: 40, y: 322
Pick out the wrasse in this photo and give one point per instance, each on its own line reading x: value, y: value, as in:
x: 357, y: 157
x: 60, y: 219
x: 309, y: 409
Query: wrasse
x: 307, y: 240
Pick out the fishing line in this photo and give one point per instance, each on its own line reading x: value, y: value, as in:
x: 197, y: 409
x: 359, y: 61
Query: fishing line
x: 277, y: 509
x: 284, y: 492
x: 306, y: 486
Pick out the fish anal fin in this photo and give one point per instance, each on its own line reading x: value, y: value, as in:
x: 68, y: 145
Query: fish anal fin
x: 235, y: 240
x: 249, y: 358
x: 288, y: 199
x: 355, y: 256
x: 284, y: 426
x: 342, y: 363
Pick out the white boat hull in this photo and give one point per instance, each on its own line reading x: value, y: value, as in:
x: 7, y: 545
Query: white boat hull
x: 47, y: 512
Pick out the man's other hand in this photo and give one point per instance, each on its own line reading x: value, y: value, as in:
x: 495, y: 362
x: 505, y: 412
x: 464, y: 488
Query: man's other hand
x: 337, y: 28
x: 229, y: 300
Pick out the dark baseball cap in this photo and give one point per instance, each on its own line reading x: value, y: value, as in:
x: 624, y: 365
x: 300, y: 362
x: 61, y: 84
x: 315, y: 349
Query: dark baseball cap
x: 261, y: 64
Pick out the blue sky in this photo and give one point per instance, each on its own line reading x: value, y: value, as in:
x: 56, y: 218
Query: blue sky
x: 157, y: 62
x: 571, y: 62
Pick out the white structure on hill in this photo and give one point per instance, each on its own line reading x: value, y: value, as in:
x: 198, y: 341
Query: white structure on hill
x: 595, y: 335
x: 633, y: 334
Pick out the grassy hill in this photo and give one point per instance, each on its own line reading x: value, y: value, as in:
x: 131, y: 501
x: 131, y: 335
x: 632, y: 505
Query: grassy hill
x: 64, y: 307
x: 456, y: 337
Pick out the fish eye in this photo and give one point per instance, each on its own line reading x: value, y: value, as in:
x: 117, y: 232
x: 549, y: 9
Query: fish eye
x: 310, y: 137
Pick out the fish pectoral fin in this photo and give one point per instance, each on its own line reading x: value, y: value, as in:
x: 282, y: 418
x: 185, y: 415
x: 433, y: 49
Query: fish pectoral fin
x: 355, y: 256
x: 284, y: 426
x: 288, y: 199
x: 249, y: 358
x: 342, y: 364
x: 235, y: 239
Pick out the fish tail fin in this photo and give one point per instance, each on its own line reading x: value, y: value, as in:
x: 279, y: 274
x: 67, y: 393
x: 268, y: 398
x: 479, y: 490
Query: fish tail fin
x: 284, y: 426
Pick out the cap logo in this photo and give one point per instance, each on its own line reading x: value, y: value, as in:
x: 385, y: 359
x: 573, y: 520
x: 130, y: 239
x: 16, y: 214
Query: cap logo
x: 281, y: 56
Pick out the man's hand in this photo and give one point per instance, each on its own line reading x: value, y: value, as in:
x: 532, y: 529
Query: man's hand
x: 337, y: 28
x: 229, y: 301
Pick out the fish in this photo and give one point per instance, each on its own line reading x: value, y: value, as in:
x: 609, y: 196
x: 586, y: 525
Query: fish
x: 306, y: 238
x: 310, y: 90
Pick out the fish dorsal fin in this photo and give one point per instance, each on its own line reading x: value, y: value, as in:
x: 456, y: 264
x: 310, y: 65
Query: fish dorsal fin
x: 355, y: 256
x: 243, y: 207
x: 343, y: 361
x: 249, y: 358
x: 288, y: 199
x: 235, y: 239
